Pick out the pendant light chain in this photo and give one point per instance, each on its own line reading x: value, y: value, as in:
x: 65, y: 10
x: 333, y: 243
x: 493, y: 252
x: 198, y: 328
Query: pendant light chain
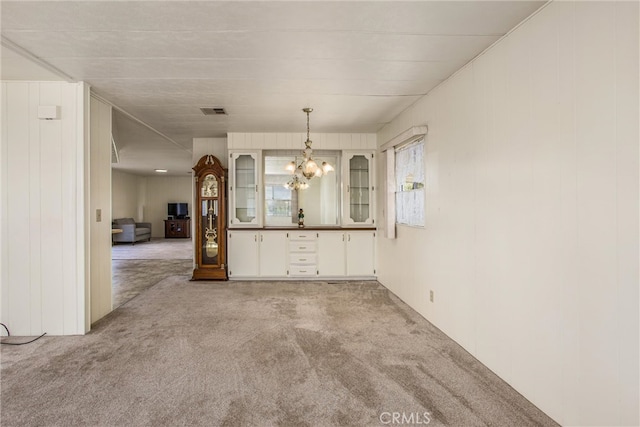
x: 307, y: 143
x: 308, y: 169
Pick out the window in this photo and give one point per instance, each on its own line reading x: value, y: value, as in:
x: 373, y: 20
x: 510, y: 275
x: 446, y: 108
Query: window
x: 409, y: 184
x: 278, y: 200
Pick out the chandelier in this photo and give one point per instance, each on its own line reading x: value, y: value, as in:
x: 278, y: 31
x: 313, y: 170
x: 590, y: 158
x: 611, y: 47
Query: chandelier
x: 297, y: 183
x: 308, y: 168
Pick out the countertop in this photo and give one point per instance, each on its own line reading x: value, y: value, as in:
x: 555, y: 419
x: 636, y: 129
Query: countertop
x: 311, y: 227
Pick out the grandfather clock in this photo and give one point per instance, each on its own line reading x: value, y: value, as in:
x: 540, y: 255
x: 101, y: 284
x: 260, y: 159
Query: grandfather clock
x: 210, y: 219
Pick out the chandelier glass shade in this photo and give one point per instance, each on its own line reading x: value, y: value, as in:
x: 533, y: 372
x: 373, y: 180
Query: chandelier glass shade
x: 308, y: 168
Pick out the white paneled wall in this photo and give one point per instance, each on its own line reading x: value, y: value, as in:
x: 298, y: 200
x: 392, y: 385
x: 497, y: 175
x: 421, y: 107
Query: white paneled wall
x: 43, y: 209
x: 531, y: 236
x: 100, y: 200
x: 125, y: 198
x: 215, y: 146
x: 295, y: 141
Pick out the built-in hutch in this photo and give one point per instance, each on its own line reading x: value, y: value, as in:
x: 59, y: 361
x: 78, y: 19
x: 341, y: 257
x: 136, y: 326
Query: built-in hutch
x: 307, y: 253
x: 262, y: 245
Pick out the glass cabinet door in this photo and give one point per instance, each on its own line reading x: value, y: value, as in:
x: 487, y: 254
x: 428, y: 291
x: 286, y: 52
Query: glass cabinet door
x: 358, y: 205
x: 209, y: 213
x: 244, y: 189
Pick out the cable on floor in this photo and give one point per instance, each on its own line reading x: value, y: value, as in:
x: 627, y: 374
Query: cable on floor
x: 18, y: 343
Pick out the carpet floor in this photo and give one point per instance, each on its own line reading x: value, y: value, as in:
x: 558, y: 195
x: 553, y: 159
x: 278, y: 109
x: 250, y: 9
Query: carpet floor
x: 256, y: 354
x: 130, y: 277
x: 156, y: 248
x: 137, y: 267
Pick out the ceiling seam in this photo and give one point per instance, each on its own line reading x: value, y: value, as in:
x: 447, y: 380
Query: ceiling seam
x: 137, y: 120
x: 251, y: 31
x: 254, y: 58
x: 31, y: 57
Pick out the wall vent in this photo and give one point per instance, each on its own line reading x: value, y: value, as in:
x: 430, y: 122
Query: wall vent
x: 213, y: 111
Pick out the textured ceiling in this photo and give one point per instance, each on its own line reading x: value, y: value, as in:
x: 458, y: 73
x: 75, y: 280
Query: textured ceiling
x: 358, y: 64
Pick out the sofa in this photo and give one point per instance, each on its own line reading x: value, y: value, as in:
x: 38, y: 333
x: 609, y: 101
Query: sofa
x: 132, y: 231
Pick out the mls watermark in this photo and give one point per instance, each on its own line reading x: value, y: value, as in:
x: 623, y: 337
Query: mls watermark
x: 406, y: 418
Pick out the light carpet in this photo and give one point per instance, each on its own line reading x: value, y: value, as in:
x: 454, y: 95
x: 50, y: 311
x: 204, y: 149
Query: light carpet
x: 156, y: 248
x: 140, y: 266
x: 130, y: 277
x: 256, y: 354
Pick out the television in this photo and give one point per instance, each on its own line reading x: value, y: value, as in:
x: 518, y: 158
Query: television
x: 178, y: 210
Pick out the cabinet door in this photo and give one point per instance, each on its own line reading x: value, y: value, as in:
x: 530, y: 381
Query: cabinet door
x: 358, y: 200
x: 273, y: 254
x: 360, y: 253
x: 244, y: 190
x: 331, y: 253
x: 243, y: 253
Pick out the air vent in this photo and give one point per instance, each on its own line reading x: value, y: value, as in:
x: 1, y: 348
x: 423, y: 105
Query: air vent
x: 207, y: 111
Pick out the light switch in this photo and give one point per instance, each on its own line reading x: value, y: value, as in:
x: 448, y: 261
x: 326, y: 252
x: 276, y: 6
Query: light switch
x: 98, y: 215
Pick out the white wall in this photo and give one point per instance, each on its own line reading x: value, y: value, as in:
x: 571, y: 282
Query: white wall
x: 531, y: 237
x: 125, y: 197
x: 145, y: 198
x: 100, y: 199
x: 161, y: 190
x: 43, y: 209
x: 295, y: 141
x: 215, y: 146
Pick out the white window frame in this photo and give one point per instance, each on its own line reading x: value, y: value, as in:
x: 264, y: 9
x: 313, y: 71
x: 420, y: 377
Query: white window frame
x: 411, y: 199
x: 389, y: 149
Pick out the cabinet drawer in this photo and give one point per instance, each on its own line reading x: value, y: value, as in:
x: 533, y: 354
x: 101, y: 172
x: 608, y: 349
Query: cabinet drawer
x: 302, y: 246
x: 302, y: 258
x: 302, y: 235
x: 302, y: 270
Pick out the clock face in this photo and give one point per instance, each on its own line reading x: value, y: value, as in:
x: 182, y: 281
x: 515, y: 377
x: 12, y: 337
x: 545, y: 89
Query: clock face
x: 209, y: 186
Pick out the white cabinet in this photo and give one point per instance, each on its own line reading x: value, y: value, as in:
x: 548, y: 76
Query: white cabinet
x: 346, y: 254
x: 360, y: 253
x: 301, y: 254
x: 273, y: 253
x: 358, y: 174
x: 245, y: 201
x: 331, y: 254
x: 253, y: 254
x: 242, y: 253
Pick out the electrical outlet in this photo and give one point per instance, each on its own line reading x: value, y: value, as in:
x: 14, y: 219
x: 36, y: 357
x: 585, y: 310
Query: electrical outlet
x: 431, y: 296
x: 98, y: 215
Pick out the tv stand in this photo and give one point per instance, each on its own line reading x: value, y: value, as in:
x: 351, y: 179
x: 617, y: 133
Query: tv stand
x: 177, y: 228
